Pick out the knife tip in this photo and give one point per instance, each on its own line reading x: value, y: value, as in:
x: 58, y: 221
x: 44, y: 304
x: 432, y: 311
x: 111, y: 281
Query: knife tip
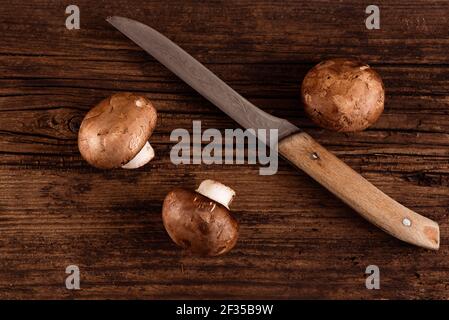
x: 112, y: 19
x: 116, y: 20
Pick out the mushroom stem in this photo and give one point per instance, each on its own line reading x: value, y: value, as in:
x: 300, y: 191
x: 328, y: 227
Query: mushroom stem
x: 143, y: 157
x: 216, y: 191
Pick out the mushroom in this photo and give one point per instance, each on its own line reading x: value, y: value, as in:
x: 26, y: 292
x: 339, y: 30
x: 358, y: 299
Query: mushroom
x: 115, y: 132
x: 201, y: 221
x: 343, y: 95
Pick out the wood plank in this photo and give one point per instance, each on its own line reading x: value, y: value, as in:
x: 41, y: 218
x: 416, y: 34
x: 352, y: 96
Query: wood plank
x: 297, y: 240
x: 132, y: 250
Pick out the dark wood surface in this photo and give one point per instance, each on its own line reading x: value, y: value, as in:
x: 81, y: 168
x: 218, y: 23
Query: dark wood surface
x: 297, y: 240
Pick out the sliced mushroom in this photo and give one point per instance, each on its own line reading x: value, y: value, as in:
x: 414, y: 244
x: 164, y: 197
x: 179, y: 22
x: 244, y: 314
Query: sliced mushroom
x: 343, y: 95
x: 115, y: 132
x: 201, y: 221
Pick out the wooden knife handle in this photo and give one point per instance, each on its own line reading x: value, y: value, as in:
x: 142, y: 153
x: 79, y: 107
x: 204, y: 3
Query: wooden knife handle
x: 357, y: 192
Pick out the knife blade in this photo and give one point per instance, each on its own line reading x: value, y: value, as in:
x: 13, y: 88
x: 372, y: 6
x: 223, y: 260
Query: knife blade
x: 200, y: 78
x: 296, y: 146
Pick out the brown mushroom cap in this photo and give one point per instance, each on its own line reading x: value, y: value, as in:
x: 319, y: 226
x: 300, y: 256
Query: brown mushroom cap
x: 343, y: 95
x: 116, y: 129
x: 198, y: 223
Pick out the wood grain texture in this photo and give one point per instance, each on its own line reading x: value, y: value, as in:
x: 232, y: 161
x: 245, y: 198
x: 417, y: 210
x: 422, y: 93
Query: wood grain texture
x: 296, y: 239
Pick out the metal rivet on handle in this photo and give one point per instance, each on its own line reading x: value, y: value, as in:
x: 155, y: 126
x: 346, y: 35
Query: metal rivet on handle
x: 406, y: 222
x: 314, y: 156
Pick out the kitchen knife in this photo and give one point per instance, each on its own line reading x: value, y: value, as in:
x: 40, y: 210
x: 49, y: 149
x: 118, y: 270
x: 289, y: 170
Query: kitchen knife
x: 294, y: 145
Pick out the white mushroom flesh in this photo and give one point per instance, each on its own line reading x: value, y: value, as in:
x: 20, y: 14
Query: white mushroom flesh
x: 143, y: 157
x: 216, y: 191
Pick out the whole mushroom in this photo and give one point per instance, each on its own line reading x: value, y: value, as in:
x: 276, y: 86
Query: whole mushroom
x: 343, y: 95
x: 200, y: 221
x: 115, y: 132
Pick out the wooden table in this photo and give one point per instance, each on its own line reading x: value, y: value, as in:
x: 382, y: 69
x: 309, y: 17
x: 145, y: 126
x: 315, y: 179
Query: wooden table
x: 296, y: 240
